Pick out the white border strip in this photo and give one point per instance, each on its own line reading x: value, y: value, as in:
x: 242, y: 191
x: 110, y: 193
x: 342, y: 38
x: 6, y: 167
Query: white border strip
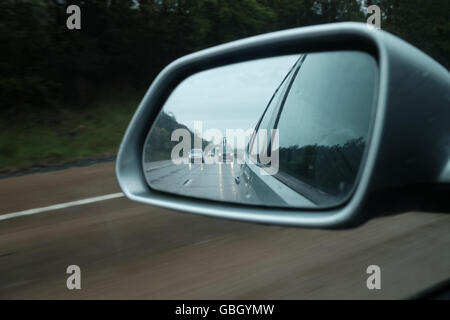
x: 61, y: 206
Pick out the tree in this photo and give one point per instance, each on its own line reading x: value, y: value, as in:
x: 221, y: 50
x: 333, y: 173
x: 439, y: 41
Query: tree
x: 424, y: 23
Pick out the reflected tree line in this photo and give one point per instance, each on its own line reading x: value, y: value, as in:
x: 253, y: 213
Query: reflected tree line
x: 331, y: 169
x: 159, y: 143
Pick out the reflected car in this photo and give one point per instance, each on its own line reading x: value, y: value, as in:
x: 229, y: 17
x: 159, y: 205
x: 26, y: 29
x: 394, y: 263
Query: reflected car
x: 196, y: 156
x: 321, y: 133
x: 225, y: 157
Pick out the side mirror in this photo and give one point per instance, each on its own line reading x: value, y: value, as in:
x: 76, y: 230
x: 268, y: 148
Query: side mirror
x: 303, y: 127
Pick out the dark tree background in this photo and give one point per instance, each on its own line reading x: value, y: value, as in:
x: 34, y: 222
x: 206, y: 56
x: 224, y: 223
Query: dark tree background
x: 123, y: 44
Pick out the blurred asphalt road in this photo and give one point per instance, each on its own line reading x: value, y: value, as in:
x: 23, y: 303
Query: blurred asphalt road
x: 128, y: 250
x: 213, y: 181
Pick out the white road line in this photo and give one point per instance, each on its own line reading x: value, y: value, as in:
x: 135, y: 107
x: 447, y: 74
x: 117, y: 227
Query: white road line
x: 61, y: 206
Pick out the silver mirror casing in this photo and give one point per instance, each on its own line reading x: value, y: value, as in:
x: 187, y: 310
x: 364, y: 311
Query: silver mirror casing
x: 408, y: 144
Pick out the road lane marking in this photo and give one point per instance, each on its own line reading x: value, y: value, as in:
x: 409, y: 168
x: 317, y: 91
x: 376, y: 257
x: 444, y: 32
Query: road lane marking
x: 61, y: 206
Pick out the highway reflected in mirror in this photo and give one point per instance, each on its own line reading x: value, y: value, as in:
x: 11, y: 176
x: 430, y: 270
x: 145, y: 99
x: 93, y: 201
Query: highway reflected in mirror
x: 212, y: 181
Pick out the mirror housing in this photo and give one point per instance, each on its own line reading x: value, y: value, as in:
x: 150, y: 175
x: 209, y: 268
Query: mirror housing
x: 408, y: 145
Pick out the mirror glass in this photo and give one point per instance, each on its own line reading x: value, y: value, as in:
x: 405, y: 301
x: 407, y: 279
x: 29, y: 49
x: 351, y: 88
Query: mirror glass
x: 280, y: 131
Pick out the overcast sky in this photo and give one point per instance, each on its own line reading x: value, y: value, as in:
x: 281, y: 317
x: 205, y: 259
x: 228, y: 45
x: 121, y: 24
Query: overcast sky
x: 229, y: 97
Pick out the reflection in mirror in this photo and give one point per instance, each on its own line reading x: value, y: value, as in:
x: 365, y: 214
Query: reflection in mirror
x: 282, y: 131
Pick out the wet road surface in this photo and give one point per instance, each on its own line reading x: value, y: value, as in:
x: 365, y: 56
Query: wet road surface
x: 127, y: 250
x: 212, y: 181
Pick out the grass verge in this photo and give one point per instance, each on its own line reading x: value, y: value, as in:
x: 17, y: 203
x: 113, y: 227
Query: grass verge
x: 93, y: 132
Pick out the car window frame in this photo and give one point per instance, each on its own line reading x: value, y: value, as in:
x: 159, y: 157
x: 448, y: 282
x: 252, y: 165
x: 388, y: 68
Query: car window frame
x: 314, y: 194
x: 285, y: 83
